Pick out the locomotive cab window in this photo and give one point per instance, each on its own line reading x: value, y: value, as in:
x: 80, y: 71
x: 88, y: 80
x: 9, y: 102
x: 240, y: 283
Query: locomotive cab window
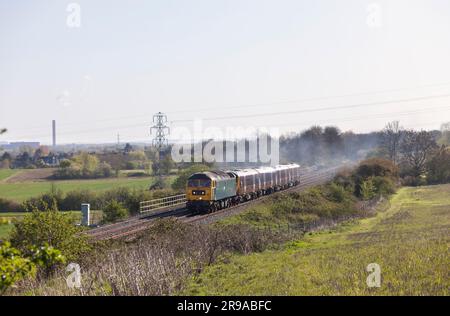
x: 199, y: 183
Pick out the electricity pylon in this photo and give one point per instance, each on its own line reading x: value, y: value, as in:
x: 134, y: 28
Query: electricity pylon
x: 161, y: 131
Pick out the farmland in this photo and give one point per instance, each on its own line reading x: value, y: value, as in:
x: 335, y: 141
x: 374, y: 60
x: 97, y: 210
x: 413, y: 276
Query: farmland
x: 20, y: 191
x: 6, y: 173
x: 409, y: 241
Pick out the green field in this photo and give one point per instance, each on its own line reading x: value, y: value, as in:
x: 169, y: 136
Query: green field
x: 6, y: 173
x: 21, y: 191
x: 409, y: 242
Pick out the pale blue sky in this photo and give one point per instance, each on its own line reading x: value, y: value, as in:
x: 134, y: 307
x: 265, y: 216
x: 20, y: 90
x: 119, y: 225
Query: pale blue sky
x: 210, y: 58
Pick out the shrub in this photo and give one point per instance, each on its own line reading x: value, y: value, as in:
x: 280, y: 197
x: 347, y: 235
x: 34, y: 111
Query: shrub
x: 137, y: 174
x: 328, y: 201
x: 51, y: 227
x: 45, y: 201
x: 131, y: 165
x: 367, y: 189
x: 14, y: 266
x: 73, y: 200
x: 159, y: 184
x: 7, y: 205
x: 337, y: 192
x: 413, y: 181
x: 345, y: 179
x: 376, y: 167
x: 383, y: 185
x: 374, y: 176
x: 114, y: 211
x: 104, y: 170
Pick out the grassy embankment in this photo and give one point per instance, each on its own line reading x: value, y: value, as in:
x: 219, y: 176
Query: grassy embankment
x: 409, y: 241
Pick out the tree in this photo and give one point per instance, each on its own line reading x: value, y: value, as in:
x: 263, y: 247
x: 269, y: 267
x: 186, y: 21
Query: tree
x: 83, y: 165
x: 180, y: 182
x: 23, y: 160
x: 5, y: 161
x: 128, y: 148
x: 333, y: 140
x: 439, y: 167
x: 416, y: 148
x: 312, y: 141
x: 37, y: 154
x: 88, y: 163
x: 445, y: 134
x: 167, y: 164
x: 6, y: 156
x: 390, y: 139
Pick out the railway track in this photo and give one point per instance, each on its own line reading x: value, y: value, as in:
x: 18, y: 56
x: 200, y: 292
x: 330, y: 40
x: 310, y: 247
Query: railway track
x: 138, y: 224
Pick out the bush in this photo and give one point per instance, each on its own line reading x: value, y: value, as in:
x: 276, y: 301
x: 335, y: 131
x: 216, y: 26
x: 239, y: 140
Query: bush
x: 337, y: 192
x: 345, y: 179
x: 43, y: 202
x: 11, y: 206
x: 328, y: 201
x: 374, y: 176
x: 131, y: 165
x: 384, y: 186
x: 137, y: 174
x: 367, y: 189
x: 104, y: 170
x: 413, y: 181
x: 73, y: 200
x: 14, y: 266
x: 51, y: 227
x: 114, y: 211
x: 159, y: 184
x: 376, y: 167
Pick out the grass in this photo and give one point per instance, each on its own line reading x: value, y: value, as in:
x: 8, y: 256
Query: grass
x: 22, y: 191
x: 409, y: 241
x: 5, y: 229
x: 6, y: 173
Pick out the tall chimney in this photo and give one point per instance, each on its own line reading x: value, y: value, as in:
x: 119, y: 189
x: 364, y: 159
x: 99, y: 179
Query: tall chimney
x: 54, y: 133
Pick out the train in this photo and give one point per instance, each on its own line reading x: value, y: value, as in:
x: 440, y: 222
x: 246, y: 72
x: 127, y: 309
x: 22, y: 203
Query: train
x: 211, y: 191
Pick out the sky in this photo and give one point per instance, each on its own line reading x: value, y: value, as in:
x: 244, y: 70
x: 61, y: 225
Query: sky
x: 277, y: 65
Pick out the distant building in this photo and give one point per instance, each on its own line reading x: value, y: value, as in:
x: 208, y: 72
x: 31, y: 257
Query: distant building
x: 50, y: 160
x: 18, y: 145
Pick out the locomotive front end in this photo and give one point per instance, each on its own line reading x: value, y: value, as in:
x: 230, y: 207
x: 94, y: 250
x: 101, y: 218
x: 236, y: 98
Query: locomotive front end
x: 199, y: 192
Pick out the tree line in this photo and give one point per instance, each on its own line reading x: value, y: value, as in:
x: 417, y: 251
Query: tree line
x: 423, y: 157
